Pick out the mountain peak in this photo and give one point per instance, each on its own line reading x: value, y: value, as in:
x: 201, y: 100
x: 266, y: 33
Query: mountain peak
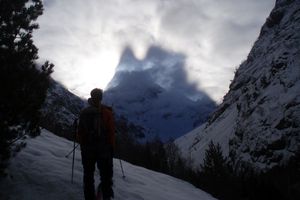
x: 146, y: 91
x: 127, y: 55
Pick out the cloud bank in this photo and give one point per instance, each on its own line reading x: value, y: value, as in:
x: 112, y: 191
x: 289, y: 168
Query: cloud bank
x: 85, y: 39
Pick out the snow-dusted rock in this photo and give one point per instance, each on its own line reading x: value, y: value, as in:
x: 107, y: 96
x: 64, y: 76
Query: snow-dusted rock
x: 154, y: 93
x: 60, y: 109
x: 259, y: 119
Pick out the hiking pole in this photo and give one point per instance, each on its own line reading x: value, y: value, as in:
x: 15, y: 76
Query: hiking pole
x: 67, y: 156
x: 122, y: 169
x: 75, y: 130
x: 121, y: 160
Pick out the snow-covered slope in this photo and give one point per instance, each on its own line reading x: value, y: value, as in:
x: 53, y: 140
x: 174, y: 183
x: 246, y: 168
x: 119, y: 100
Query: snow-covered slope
x: 259, y: 119
x: 194, y: 143
x: 154, y: 93
x: 41, y: 171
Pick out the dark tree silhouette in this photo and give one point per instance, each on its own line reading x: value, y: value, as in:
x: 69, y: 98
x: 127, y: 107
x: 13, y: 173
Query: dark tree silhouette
x: 214, y: 162
x: 23, y: 84
x: 214, y: 171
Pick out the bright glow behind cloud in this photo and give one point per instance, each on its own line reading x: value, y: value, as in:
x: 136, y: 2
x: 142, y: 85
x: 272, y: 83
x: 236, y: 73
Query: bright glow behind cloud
x: 84, y: 39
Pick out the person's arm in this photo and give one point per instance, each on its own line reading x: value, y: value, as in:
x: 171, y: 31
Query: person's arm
x: 111, y: 127
x: 80, y: 130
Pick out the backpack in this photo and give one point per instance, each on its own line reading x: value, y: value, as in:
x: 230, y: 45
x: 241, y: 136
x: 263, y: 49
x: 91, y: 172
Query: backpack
x: 95, y: 132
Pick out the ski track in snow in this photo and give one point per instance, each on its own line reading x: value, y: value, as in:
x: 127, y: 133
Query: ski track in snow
x: 41, y: 171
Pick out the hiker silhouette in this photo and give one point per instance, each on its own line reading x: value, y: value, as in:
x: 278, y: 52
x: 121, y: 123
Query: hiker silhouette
x: 96, y: 135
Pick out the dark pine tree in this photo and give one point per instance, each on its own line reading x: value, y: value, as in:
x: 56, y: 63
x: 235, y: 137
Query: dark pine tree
x: 214, y: 161
x: 214, y: 171
x: 23, y: 84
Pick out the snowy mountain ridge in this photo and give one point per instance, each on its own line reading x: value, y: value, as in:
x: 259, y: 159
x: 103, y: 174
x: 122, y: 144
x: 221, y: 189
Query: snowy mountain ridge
x: 60, y: 109
x: 258, y: 121
x: 154, y: 93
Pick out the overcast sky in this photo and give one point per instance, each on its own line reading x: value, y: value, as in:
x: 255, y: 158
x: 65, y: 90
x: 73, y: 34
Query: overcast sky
x: 85, y: 38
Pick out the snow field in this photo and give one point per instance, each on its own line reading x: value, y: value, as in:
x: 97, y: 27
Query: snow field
x: 41, y: 171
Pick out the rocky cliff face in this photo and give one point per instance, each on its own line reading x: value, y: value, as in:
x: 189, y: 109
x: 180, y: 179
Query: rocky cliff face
x: 60, y: 109
x: 259, y: 119
x: 266, y: 90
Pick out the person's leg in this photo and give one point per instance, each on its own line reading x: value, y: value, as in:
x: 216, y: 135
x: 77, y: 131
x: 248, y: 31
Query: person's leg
x: 105, y: 166
x: 88, y: 162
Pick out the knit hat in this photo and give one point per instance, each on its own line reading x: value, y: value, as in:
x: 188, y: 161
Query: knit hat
x: 96, y: 94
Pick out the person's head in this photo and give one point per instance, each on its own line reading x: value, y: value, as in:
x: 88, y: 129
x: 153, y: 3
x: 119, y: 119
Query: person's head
x: 96, y: 95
